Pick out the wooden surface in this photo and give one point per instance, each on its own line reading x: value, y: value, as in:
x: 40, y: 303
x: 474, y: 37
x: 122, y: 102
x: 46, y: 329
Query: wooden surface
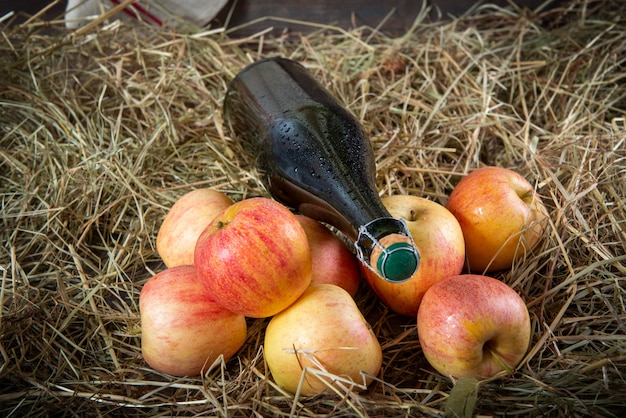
x: 23, y: 9
x: 398, y: 15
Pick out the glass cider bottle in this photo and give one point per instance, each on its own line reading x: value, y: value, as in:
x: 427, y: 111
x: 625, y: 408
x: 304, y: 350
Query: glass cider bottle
x: 318, y: 160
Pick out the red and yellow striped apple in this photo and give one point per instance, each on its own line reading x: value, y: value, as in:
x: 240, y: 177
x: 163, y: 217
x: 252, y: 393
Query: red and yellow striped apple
x: 501, y: 216
x: 185, y: 221
x: 333, y: 262
x: 439, y: 239
x: 254, y: 258
x: 183, y: 331
x: 322, y: 337
x: 473, y: 325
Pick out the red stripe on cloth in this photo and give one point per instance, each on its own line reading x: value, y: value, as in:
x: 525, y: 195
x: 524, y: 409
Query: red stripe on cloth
x: 140, y: 11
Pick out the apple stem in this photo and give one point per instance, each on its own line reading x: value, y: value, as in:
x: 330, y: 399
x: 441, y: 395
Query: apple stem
x: 508, y: 368
x: 527, y: 196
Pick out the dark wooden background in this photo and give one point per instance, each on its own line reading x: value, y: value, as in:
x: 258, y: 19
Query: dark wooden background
x: 342, y: 13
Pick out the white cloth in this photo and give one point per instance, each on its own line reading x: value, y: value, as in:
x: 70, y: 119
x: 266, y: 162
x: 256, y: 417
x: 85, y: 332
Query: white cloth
x: 154, y: 12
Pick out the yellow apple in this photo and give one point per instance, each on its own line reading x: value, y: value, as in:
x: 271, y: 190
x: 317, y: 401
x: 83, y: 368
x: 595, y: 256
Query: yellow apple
x: 254, y: 258
x: 472, y: 325
x: 321, y: 340
x: 183, y: 330
x: 185, y: 221
x: 439, y: 239
x: 501, y: 216
x: 333, y: 262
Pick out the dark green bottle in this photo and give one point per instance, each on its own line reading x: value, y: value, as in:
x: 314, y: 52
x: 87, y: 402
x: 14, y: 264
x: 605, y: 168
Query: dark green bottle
x: 317, y: 159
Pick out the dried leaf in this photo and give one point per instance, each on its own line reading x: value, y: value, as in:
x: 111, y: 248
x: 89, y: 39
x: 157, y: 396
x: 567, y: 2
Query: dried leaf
x: 462, y: 399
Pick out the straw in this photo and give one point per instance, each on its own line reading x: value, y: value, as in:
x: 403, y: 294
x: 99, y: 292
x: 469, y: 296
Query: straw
x: 102, y: 129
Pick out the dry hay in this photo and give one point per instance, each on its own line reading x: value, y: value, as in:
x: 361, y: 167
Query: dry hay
x: 103, y: 129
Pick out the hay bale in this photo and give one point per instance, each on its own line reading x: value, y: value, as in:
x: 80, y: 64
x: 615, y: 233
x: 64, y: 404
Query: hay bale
x: 101, y: 130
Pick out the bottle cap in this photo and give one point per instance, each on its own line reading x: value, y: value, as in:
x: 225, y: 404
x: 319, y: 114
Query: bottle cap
x: 398, y: 262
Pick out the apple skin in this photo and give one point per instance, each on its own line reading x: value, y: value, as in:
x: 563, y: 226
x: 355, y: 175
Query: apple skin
x: 501, y: 216
x: 185, y: 221
x: 254, y: 258
x: 473, y: 325
x: 439, y: 239
x: 333, y: 262
x: 183, y: 331
x: 323, y: 326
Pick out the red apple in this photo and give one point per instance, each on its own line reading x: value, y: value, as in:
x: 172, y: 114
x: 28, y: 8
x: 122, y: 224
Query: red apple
x: 254, y: 258
x: 472, y: 325
x: 183, y: 330
x: 501, y: 216
x: 333, y: 262
x: 320, y: 341
x: 439, y: 239
x: 185, y: 221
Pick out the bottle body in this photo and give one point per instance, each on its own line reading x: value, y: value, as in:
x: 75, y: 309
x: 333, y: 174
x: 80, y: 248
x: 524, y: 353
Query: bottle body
x: 314, y: 153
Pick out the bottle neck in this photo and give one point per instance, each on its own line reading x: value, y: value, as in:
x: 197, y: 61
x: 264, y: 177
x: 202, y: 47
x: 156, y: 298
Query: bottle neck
x: 385, y: 246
